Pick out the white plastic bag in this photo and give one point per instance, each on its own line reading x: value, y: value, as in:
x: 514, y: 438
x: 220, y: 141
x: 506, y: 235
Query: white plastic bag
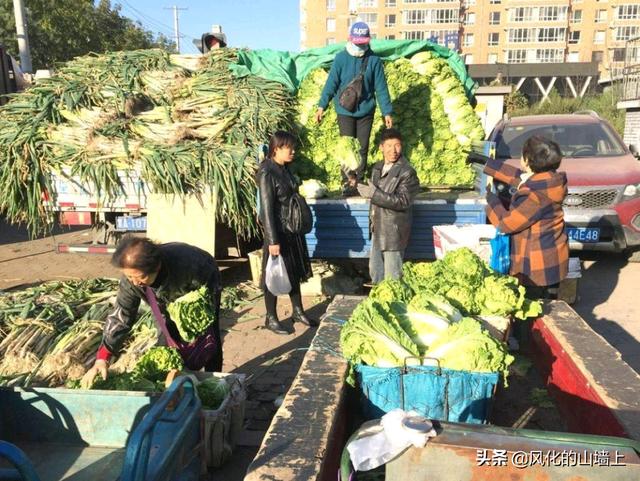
x: 276, y: 277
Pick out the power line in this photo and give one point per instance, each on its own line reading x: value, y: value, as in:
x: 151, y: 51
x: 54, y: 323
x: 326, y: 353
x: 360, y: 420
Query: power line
x: 150, y: 20
x: 176, y: 25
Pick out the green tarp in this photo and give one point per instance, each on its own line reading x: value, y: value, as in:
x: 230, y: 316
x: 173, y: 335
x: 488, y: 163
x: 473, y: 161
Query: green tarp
x: 290, y: 68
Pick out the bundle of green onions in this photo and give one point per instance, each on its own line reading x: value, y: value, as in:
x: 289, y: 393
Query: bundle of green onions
x: 187, y: 124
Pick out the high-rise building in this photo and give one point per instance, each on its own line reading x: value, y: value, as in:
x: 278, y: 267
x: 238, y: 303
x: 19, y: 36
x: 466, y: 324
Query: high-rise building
x: 488, y: 31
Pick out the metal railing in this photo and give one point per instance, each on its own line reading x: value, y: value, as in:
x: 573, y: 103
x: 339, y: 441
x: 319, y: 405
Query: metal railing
x: 631, y: 71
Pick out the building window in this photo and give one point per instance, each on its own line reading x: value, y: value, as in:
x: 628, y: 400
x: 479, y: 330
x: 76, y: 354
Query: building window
x: 618, y: 54
x: 601, y: 16
x: 469, y: 3
x: 468, y: 40
x: 494, y: 18
x: 390, y: 20
x: 331, y: 24
x: 574, y: 37
x: 597, y: 56
x: 573, y: 57
x: 389, y: 3
x: 390, y: 37
x: 628, y: 12
x: 415, y: 1
x: 520, y: 35
x: 446, y: 1
x: 549, y: 55
x: 599, y: 36
x: 517, y: 56
x: 551, y: 34
x: 576, y: 16
x: 521, y: 14
x: 414, y: 35
x: 370, y: 19
x: 331, y: 5
x: 330, y: 41
x: 492, y: 58
x: 367, y: 3
x: 353, y: 5
x: 448, y: 15
x: 468, y: 59
x: 494, y: 2
x: 415, y: 17
x: 552, y: 14
x: 625, y: 33
x: 470, y: 19
x: 494, y: 38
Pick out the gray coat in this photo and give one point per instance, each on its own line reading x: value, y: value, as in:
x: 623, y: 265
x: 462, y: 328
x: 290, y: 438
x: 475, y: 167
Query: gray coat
x: 392, y: 204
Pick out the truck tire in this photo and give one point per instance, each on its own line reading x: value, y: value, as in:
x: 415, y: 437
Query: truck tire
x: 633, y: 255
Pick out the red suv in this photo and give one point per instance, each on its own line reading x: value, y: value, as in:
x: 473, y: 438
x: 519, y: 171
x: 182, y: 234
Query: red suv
x: 602, y: 209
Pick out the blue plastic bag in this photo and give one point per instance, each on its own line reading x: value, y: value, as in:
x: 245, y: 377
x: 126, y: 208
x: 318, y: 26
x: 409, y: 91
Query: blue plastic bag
x: 500, y: 252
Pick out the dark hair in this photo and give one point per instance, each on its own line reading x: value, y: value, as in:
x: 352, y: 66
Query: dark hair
x: 280, y: 139
x: 390, y: 134
x: 541, y: 154
x: 137, y: 253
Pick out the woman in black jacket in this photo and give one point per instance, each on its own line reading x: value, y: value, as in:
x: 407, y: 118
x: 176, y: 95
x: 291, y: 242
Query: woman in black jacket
x: 276, y: 185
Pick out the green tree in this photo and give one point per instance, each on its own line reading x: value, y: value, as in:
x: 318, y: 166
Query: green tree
x: 60, y: 30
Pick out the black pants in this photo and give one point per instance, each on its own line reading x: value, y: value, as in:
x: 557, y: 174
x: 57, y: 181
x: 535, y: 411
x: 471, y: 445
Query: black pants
x: 358, y: 128
x: 215, y: 364
x: 270, y: 300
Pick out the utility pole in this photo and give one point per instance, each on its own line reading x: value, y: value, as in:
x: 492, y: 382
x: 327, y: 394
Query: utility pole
x: 23, y: 38
x: 176, y: 26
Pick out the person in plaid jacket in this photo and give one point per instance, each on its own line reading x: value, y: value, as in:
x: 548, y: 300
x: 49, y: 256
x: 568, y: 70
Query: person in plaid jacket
x: 534, y: 218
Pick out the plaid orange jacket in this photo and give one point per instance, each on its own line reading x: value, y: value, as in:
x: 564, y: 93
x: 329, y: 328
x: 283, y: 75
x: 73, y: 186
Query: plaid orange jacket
x: 535, y: 220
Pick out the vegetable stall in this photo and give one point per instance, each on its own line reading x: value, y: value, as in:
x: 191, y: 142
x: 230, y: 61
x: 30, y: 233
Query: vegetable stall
x: 107, y: 132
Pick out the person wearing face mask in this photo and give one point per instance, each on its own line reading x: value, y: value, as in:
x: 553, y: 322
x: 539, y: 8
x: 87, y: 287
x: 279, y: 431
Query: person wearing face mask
x: 392, y: 190
x: 346, y: 66
x: 534, y: 218
x: 276, y: 185
x: 158, y: 274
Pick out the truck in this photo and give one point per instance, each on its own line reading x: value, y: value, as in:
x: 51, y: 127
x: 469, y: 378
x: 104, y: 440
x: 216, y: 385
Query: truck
x: 602, y: 208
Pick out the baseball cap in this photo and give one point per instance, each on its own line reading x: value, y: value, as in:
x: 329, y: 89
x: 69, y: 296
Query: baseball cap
x: 359, y: 33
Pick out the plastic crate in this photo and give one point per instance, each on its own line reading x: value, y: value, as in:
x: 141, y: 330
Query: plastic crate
x: 436, y: 393
x: 474, y: 236
x: 221, y: 428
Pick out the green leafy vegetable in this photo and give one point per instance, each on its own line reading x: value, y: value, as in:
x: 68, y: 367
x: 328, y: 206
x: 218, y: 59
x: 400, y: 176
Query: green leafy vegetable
x: 466, y: 346
x: 391, y: 290
x: 192, y: 313
x: 157, y: 362
x: 212, y: 392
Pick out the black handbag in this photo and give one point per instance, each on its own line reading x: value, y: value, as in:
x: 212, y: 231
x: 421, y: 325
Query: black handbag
x: 296, y: 216
x: 350, y: 96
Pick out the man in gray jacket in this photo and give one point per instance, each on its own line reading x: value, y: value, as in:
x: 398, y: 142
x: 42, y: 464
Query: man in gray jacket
x: 392, y: 190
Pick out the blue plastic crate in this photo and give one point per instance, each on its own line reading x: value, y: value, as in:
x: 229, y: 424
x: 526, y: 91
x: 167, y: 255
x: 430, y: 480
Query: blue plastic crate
x: 442, y: 394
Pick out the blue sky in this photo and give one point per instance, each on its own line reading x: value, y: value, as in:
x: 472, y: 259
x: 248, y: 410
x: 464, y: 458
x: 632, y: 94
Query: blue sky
x: 248, y: 23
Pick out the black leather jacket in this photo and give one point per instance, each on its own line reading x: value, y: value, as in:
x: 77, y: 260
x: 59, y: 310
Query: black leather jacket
x: 277, y: 184
x: 185, y: 268
x: 392, y: 204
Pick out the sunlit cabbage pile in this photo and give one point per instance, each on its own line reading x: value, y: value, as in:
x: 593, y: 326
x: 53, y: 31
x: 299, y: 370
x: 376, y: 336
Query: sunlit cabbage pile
x: 431, y: 111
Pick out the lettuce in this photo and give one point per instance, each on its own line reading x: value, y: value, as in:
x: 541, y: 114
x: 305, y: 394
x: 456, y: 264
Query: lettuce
x: 212, y: 392
x: 391, y: 290
x: 374, y: 337
x: 423, y: 324
x: 466, y: 346
x: 192, y: 313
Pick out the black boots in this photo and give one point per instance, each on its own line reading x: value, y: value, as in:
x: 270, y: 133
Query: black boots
x: 274, y: 325
x: 299, y: 316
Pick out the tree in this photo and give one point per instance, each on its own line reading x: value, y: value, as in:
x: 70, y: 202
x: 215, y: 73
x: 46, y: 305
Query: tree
x: 60, y: 30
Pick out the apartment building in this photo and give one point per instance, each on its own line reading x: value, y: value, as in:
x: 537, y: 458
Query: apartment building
x: 488, y: 31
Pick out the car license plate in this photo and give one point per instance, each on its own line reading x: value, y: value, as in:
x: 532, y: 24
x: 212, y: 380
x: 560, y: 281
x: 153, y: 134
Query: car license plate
x: 131, y: 223
x: 583, y: 234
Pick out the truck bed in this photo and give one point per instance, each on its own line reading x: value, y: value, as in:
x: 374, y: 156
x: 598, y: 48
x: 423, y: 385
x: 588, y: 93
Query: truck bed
x: 62, y: 462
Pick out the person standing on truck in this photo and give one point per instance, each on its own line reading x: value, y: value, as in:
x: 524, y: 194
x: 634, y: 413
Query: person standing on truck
x: 392, y: 190
x: 534, y: 218
x: 277, y: 186
x: 159, y: 274
x: 356, y: 59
